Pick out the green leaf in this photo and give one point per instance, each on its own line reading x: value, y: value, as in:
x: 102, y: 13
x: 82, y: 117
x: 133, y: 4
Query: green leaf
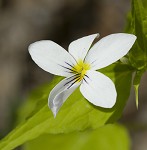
x: 37, y: 100
x: 109, y: 137
x: 77, y: 114
x: 136, y: 88
x: 144, y: 4
x: 137, y: 57
x: 140, y: 23
x: 137, y: 24
x: 136, y: 84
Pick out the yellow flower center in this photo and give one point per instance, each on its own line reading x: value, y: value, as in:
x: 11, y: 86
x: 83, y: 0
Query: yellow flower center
x: 80, y: 69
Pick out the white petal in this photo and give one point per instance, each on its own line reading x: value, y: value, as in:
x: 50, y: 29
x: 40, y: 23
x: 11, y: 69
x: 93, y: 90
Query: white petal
x: 60, y: 93
x: 99, y: 89
x: 79, y: 48
x: 51, y: 57
x: 109, y: 49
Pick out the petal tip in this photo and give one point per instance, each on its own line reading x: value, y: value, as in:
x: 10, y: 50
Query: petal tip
x: 53, y: 111
x: 113, y: 102
x: 134, y: 37
x: 54, y: 114
x: 30, y: 48
x: 97, y: 35
x: 52, y: 108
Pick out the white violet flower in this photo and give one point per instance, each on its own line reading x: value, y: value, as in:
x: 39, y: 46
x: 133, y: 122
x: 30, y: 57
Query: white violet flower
x: 79, y: 66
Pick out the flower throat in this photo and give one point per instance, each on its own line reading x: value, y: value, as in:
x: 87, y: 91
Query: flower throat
x: 80, y: 69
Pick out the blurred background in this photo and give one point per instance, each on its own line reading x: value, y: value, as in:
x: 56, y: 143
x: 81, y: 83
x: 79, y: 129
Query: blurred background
x: 23, y: 22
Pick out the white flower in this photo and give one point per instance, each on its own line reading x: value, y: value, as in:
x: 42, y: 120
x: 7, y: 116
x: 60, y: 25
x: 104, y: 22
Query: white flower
x: 79, y: 67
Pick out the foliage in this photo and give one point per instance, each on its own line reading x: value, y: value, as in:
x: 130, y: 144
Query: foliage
x: 77, y: 114
x: 137, y: 24
x: 102, y: 138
